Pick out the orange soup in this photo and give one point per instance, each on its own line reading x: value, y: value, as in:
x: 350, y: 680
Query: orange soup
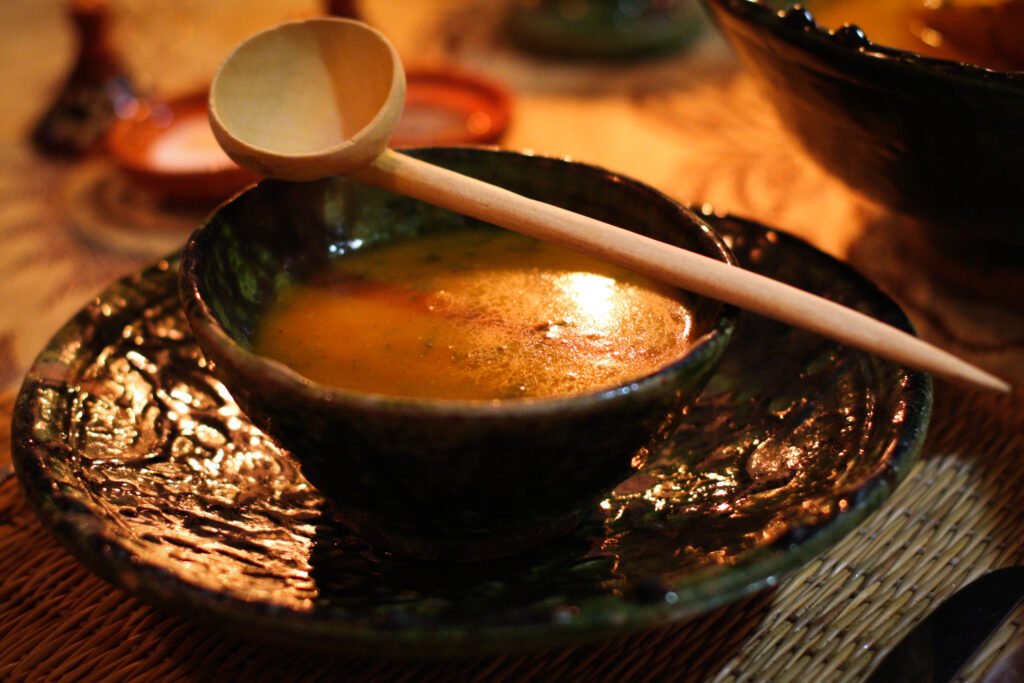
x: 476, y: 315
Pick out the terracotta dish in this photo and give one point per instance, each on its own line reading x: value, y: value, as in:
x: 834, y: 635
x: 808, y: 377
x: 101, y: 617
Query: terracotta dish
x: 444, y: 106
x: 168, y: 148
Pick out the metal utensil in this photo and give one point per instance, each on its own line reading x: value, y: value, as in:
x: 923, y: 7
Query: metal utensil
x: 938, y: 647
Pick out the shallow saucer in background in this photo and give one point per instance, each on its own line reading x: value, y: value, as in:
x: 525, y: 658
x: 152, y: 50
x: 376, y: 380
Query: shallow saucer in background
x: 449, y: 106
x: 169, y: 149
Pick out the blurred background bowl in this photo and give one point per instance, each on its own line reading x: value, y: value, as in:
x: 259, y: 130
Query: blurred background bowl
x: 939, y: 140
x: 603, y: 29
x: 168, y: 148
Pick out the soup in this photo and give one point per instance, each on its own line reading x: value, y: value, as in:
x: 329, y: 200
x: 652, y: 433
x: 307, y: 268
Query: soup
x: 476, y: 314
x: 989, y: 34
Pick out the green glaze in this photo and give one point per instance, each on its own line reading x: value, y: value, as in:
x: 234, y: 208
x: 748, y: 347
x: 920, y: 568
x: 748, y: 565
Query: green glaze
x: 437, y: 478
x: 136, y: 458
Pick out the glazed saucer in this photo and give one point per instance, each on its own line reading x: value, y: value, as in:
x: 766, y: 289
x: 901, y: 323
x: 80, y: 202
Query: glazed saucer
x: 143, y: 466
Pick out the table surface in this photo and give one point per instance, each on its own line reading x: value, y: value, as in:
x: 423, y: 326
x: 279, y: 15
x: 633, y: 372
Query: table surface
x: 691, y: 124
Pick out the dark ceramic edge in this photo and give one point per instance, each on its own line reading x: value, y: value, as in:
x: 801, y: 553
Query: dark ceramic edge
x: 759, y: 570
x: 206, y: 327
x: 797, y: 27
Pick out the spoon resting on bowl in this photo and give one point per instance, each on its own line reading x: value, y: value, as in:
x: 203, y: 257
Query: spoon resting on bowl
x: 320, y: 97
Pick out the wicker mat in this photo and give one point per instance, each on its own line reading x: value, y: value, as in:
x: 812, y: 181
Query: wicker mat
x: 960, y: 513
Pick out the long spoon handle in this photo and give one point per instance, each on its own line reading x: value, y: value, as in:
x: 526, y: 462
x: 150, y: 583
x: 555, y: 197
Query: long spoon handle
x: 666, y: 263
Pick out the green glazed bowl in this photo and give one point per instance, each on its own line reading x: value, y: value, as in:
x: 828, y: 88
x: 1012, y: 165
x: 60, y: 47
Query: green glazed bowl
x: 437, y: 478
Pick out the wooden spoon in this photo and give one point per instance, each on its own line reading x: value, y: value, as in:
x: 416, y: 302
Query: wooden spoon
x: 315, y: 98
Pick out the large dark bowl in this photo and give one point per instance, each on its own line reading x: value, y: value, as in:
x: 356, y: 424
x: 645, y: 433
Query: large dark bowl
x: 437, y: 478
x: 935, y: 139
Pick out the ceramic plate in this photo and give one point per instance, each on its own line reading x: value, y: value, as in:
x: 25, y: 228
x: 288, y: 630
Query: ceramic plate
x: 139, y: 462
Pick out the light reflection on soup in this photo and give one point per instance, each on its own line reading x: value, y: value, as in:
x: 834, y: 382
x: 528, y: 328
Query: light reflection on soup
x: 480, y: 314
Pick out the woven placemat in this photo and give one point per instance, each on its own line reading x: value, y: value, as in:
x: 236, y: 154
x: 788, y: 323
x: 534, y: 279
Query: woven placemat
x: 959, y: 513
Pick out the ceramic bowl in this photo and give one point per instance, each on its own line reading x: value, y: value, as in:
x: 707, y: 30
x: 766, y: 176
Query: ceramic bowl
x: 437, y: 478
x: 938, y: 140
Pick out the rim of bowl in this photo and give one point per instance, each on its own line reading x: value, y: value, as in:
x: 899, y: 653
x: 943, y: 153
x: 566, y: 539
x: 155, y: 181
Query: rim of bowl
x: 796, y: 23
x: 209, y: 331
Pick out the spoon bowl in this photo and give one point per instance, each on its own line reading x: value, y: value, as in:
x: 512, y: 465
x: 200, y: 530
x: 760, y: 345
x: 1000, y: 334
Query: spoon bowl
x: 328, y: 107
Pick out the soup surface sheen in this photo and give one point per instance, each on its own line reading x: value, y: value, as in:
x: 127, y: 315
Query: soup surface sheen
x: 476, y: 314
